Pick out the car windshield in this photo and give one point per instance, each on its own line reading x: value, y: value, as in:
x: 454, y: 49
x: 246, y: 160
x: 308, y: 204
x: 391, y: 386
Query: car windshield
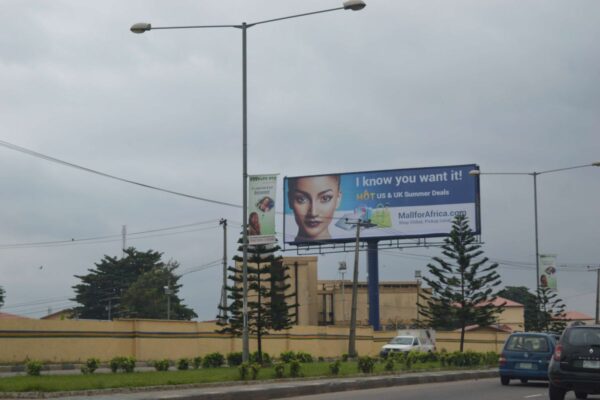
x: 583, y: 337
x: 527, y: 343
x: 402, y: 340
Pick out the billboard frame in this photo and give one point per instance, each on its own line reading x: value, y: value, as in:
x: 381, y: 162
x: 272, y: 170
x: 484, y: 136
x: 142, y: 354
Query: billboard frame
x: 319, y: 243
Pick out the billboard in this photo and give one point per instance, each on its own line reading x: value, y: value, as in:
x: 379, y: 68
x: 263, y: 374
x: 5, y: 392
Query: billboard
x: 401, y: 203
x: 547, y: 278
x: 261, y: 209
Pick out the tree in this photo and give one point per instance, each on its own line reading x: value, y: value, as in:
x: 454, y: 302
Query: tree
x: 131, y: 286
x: 267, y: 283
x: 462, y: 285
x: 522, y: 295
x: 2, y: 293
x: 551, y: 311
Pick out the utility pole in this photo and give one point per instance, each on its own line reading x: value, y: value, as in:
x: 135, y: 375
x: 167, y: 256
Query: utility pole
x: 342, y: 270
x: 597, y: 269
x: 168, y: 292
x: 352, y: 336
x: 418, y: 279
x: 124, y: 233
x: 223, y: 312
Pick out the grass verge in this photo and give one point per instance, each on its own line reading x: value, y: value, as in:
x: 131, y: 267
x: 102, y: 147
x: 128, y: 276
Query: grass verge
x: 55, y: 383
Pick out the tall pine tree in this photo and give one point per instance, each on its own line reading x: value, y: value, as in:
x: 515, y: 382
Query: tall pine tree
x: 462, y: 285
x: 550, y: 311
x: 267, y: 286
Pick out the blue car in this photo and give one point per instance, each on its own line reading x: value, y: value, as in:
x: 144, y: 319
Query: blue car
x: 526, y: 356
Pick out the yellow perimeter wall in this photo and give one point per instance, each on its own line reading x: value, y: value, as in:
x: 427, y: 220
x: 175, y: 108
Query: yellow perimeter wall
x: 59, y: 341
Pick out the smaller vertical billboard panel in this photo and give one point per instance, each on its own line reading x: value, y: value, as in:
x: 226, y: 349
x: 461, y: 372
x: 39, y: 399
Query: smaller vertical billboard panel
x: 547, y: 278
x: 401, y: 203
x: 261, y: 209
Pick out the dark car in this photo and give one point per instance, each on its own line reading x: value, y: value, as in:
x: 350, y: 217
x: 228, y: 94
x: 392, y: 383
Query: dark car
x: 576, y: 363
x: 526, y: 356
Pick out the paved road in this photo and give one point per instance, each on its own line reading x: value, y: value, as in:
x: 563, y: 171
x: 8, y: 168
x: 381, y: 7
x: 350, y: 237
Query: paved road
x: 487, y: 389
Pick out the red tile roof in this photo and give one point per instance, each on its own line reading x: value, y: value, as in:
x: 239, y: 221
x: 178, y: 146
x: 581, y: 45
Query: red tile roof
x: 11, y: 316
x: 575, y: 316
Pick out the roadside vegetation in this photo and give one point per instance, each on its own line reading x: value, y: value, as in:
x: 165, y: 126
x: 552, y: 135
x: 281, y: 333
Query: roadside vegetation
x: 287, y: 365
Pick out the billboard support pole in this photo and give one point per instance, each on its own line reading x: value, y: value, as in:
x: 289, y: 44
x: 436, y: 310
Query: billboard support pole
x: 373, y: 270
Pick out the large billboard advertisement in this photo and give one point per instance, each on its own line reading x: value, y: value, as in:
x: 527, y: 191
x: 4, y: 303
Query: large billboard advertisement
x: 261, y: 209
x: 401, y: 203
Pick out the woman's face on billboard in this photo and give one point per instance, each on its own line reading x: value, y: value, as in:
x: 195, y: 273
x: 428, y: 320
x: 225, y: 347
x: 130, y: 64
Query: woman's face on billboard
x: 314, y: 200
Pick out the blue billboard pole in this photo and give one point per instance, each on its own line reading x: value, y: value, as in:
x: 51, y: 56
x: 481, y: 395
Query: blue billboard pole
x: 373, y: 271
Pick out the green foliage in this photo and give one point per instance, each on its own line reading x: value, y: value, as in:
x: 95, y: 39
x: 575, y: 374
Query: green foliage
x: 268, y: 306
x: 133, y: 286
x: 213, y: 360
x: 2, y: 294
x: 287, y: 356
x: 90, y: 366
x: 125, y: 364
x: 234, y: 359
x: 304, y: 357
x: 254, y: 370
x: 162, y: 365
x: 295, y: 368
x: 551, y: 311
x: 244, y: 370
x: 256, y: 358
x: 411, y: 358
x: 279, y: 370
x: 345, y: 357
x: 321, y: 359
x: 34, y: 367
x: 183, y: 364
x: 389, y: 364
x: 366, y: 364
x: 334, y: 367
x: 197, y: 362
x: 462, y: 285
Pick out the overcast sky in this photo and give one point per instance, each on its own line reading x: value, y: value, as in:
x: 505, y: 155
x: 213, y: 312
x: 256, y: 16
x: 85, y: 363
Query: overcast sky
x: 513, y: 86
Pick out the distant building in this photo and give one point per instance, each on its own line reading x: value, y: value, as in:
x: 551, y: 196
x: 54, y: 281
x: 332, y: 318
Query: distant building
x: 4, y: 315
x: 572, y: 316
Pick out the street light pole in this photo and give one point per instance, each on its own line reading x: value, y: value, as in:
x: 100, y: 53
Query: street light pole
x: 535, y: 174
x: 354, y: 5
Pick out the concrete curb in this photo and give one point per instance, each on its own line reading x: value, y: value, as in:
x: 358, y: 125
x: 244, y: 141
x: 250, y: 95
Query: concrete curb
x: 274, y: 389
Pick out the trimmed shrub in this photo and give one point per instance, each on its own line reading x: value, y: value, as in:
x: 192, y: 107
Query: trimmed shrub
x: 366, y: 364
x: 345, y: 357
x: 213, y: 360
x: 161, y: 365
x: 244, y: 370
x: 304, y: 357
x: 234, y: 359
x: 183, y: 364
x: 287, y: 356
x: 389, y: 364
x: 254, y: 370
x: 34, y: 367
x: 128, y: 364
x: 411, y: 358
x: 90, y: 366
x: 266, y: 358
x: 295, y: 369
x: 334, y: 367
x: 115, y: 363
x: 197, y: 362
x: 279, y: 370
x: 321, y: 359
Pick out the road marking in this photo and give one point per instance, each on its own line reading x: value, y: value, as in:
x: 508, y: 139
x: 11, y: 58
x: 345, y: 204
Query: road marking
x: 534, y: 395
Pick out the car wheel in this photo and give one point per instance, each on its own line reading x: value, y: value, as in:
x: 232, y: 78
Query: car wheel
x: 580, y: 395
x: 523, y: 380
x: 504, y: 380
x: 556, y: 393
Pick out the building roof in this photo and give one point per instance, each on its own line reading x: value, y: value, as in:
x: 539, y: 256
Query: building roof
x: 494, y: 327
x: 575, y: 316
x: 498, y: 301
x: 11, y: 316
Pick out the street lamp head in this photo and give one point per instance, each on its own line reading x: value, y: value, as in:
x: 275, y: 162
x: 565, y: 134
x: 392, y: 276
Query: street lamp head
x: 140, y: 27
x: 354, y: 5
x: 474, y: 172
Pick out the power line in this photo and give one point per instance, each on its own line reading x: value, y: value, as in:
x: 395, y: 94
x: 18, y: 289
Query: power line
x: 108, y: 238
x: 93, y: 171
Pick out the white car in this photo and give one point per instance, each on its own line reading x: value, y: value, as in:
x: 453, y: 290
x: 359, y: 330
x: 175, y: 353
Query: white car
x: 406, y: 344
